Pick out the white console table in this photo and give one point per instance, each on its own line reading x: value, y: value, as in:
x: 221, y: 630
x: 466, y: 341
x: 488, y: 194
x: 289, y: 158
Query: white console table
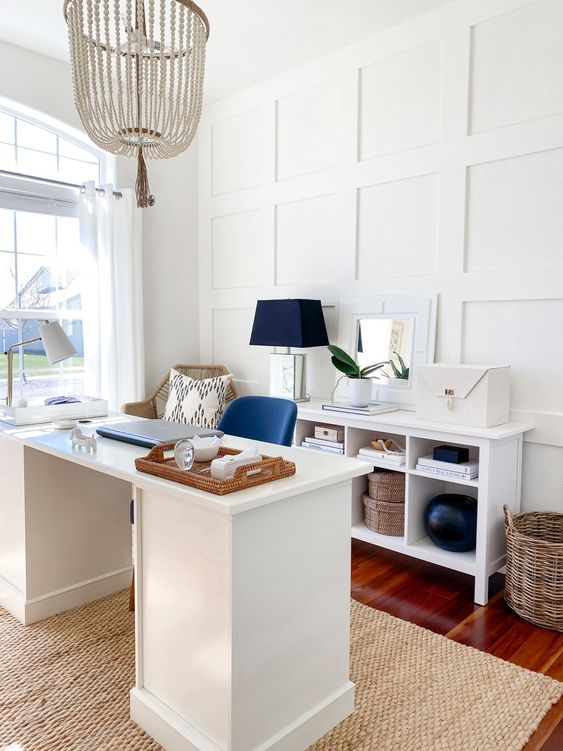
x: 499, y: 482
x: 242, y: 601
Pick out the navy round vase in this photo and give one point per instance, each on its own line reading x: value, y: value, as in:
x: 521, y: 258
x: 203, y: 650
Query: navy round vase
x: 450, y: 521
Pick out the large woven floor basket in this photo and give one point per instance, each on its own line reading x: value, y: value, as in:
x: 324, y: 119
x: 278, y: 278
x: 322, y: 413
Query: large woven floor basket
x: 534, y: 567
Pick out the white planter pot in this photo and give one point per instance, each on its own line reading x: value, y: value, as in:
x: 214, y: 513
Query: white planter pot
x: 359, y: 391
x: 399, y: 383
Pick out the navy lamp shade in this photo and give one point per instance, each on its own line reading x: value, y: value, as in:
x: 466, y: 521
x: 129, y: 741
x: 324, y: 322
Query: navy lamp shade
x: 289, y: 323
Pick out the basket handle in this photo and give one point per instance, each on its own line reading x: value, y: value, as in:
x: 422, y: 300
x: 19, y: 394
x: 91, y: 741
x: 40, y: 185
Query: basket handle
x: 508, y: 518
x: 157, y: 452
x: 273, y: 462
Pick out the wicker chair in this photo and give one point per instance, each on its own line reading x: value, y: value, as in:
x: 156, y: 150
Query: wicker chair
x: 153, y: 407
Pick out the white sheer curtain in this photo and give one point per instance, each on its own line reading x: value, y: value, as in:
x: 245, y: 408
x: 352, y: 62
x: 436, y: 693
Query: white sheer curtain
x: 110, y: 233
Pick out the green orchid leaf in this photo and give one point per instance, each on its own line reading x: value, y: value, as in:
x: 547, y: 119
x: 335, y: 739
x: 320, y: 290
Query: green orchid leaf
x: 344, y: 367
x: 396, y: 371
x: 401, y: 362
x: 365, y: 372
x: 344, y: 357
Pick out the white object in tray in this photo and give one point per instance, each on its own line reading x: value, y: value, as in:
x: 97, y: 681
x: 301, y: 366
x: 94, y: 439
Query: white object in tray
x: 225, y: 467
x: 205, y: 449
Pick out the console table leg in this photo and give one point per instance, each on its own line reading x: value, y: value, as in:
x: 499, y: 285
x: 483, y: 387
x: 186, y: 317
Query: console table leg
x: 481, y: 589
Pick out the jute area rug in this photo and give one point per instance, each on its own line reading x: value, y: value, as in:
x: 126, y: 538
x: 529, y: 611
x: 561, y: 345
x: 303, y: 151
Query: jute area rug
x: 64, y: 686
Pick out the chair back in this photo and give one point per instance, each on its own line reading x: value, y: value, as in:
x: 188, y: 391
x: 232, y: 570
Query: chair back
x: 260, y: 418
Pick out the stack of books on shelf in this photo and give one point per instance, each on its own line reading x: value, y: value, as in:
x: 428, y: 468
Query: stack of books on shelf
x: 395, y: 457
x: 463, y: 471
x: 329, y: 440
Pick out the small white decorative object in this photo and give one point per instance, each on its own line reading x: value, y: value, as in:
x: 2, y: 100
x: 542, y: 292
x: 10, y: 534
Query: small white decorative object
x: 81, y: 441
x: 359, y: 391
x: 225, y: 467
x: 205, y: 449
x: 472, y: 395
x: 22, y: 403
x: 64, y: 424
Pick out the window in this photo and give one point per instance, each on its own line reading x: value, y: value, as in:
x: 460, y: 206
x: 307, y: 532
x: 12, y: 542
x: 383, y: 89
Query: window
x: 41, y: 275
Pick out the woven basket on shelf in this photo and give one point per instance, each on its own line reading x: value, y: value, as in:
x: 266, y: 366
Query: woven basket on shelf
x: 534, y: 567
x: 387, y: 485
x: 383, y: 517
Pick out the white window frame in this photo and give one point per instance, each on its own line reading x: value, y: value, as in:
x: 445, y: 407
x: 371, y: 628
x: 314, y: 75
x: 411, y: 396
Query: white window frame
x: 44, y: 197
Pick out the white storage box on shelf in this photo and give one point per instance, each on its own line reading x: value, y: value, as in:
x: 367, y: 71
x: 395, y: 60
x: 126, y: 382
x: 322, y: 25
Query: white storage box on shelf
x: 473, y: 395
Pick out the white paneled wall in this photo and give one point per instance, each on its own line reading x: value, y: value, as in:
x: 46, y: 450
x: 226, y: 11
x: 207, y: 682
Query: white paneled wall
x: 401, y: 101
x: 429, y: 157
x: 306, y: 241
x: 388, y: 243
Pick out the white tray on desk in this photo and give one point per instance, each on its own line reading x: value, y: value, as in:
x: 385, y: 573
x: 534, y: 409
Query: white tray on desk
x: 35, y: 414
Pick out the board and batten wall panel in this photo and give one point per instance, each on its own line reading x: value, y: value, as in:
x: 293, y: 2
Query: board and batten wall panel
x: 398, y: 228
x: 401, y: 101
x: 428, y: 157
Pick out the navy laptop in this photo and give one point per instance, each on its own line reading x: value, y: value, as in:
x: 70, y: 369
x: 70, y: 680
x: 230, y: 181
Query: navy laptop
x: 150, y: 433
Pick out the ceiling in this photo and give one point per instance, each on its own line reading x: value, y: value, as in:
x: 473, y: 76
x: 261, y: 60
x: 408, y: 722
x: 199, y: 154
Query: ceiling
x: 251, y: 40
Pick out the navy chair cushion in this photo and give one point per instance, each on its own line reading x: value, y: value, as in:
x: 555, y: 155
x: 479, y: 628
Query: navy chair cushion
x: 260, y: 418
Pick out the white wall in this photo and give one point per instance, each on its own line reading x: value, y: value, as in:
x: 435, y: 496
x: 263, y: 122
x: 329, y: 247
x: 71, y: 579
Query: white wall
x: 170, y: 266
x: 429, y: 157
x: 169, y: 229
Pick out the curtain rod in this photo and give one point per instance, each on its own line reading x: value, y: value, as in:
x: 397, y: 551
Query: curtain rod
x: 46, y: 180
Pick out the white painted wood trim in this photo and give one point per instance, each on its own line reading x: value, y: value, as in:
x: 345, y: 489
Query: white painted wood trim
x: 174, y: 734
x: 52, y: 603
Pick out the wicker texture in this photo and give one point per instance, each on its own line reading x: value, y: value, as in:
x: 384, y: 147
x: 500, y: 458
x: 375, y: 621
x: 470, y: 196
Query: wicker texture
x: 153, y: 406
x: 534, y: 567
x: 272, y: 468
x: 383, y: 517
x: 64, y: 686
x: 386, y: 485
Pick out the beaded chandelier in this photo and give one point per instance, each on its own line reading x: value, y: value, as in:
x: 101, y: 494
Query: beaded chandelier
x: 137, y: 71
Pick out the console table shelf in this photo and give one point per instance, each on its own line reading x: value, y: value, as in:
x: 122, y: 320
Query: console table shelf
x: 499, y: 452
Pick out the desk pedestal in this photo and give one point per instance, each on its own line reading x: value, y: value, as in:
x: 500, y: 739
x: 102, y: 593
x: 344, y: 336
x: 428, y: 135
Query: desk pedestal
x: 242, y: 622
x: 65, y: 536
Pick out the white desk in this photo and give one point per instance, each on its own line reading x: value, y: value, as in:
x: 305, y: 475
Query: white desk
x: 242, y: 617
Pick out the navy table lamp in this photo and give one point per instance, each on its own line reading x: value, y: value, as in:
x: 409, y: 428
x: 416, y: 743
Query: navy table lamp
x: 289, y: 323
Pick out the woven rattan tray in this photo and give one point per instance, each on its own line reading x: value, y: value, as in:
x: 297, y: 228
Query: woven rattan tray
x: 272, y: 468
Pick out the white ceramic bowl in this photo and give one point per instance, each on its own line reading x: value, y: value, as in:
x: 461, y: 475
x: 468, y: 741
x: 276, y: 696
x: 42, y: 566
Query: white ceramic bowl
x: 206, y: 454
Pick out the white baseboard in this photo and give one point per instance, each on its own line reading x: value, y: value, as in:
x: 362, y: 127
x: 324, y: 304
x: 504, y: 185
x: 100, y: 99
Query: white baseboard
x: 175, y: 734
x: 29, y: 611
x: 12, y: 599
x: 165, y: 726
x: 314, y: 724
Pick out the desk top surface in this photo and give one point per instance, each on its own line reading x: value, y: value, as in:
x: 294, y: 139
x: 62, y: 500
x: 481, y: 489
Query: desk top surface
x: 313, y: 470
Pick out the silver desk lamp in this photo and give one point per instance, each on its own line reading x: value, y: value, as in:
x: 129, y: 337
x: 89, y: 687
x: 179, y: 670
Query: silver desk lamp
x: 57, y: 347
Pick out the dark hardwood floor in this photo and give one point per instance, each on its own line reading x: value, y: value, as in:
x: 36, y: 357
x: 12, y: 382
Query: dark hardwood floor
x: 442, y: 601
